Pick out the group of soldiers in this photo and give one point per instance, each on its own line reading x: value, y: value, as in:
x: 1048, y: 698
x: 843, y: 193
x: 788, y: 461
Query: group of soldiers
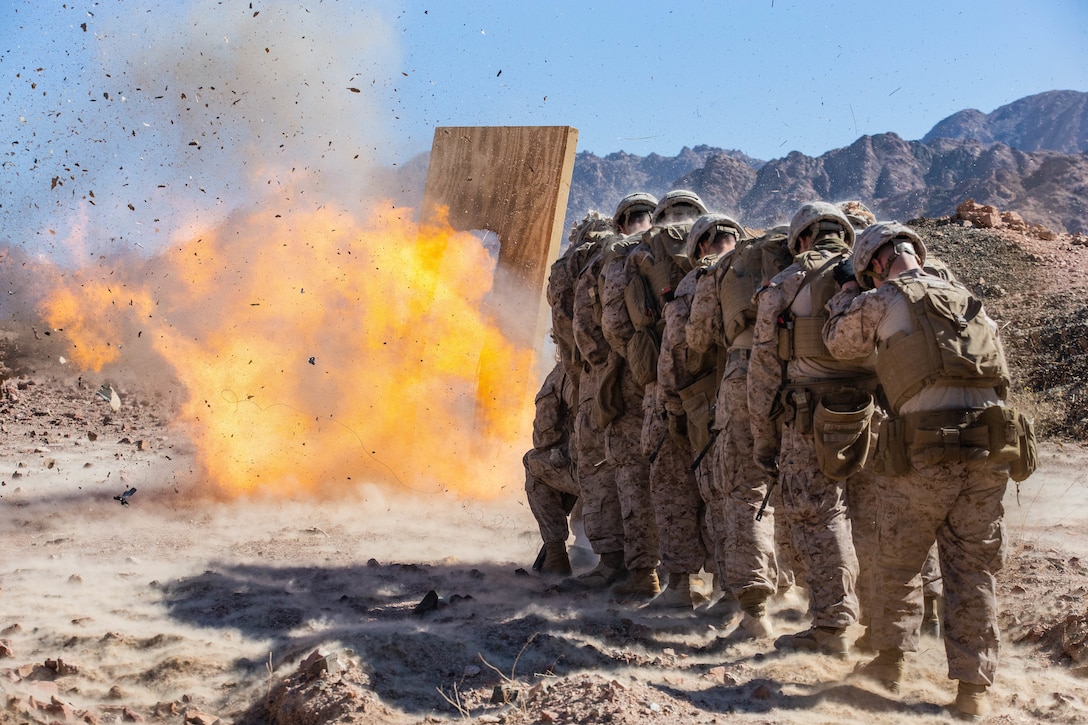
x: 819, y: 404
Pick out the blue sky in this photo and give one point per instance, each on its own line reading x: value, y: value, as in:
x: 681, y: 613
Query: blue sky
x: 122, y: 119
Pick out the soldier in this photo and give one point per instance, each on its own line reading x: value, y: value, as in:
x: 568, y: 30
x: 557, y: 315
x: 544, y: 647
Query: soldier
x: 596, y: 479
x: 599, y: 403
x: 792, y: 377
x: 946, y: 453
x: 637, y: 284
x: 682, y: 493
x: 722, y: 313
x: 549, y: 471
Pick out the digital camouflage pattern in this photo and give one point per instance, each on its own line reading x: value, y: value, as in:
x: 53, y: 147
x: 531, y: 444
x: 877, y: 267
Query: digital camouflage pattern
x: 550, y: 486
x: 958, y: 504
x: 622, y: 435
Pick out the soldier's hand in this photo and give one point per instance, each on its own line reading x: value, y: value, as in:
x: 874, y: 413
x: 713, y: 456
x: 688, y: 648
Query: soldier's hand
x: 678, y: 428
x: 843, y: 271
x: 768, y: 464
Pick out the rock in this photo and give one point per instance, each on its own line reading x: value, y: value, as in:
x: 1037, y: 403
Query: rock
x: 982, y: 215
x: 196, y: 717
x: 5, y: 650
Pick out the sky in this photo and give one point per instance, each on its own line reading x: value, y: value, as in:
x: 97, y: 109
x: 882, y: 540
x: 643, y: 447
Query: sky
x: 125, y: 123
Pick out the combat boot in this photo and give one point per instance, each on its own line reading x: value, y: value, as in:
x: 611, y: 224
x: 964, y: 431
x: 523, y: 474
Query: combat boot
x: 827, y: 640
x: 931, y: 620
x: 886, y: 668
x: 972, y: 702
x: 643, y: 584
x: 677, y: 595
x: 754, y: 624
x: 556, y: 562
x: 609, y: 570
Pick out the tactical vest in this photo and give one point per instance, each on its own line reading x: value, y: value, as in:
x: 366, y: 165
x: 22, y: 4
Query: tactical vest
x: 803, y: 337
x: 753, y: 264
x: 648, y: 291
x: 952, y: 343
x: 562, y: 278
x: 652, y: 287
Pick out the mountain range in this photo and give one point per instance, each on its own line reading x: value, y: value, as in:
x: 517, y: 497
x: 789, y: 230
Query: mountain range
x: 1028, y: 156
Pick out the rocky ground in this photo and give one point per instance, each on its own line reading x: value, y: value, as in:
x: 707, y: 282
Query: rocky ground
x: 397, y: 607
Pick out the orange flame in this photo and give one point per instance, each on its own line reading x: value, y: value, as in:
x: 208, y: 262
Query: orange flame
x: 318, y: 353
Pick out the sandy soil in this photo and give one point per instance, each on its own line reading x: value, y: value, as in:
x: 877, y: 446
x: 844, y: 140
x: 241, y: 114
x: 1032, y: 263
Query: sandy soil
x: 174, y: 608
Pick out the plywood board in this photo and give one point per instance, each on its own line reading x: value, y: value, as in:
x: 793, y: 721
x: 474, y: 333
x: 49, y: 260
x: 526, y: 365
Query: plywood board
x: 513, y: 181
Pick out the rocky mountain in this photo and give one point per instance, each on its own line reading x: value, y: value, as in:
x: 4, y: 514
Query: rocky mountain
x: 1030, y: 156
x: 901, y: 179
x: 1027, y: 156
x: 600, y: 182
x: 1051, y: 121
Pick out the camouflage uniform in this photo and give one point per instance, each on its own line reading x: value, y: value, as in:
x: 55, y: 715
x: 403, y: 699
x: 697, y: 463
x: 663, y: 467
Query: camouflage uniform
x: 744, y: 547
x: 813, y: 504
x: 678, y: 496
x: 623, y: 436
x: 596, y: 474
x: 549, y: 472
x: 958, y: 503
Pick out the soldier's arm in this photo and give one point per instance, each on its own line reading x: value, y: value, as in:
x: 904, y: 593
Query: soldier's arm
x: 673, y: 355
x: 851, y: 330
x: 704, y: 329
x: 615, y: 320
x: 765, y: 374
x: 587, y: 332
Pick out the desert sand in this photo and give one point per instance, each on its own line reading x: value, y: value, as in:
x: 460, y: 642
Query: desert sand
x: 171, y: 606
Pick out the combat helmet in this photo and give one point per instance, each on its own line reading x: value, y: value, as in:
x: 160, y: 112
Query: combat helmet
x: 632, y: 204
x: 860, y: 216
x: 678, y: 197
x: 706, y: 226
x: 905, y: 239
x: 829, y: 218
x: 592, y: 222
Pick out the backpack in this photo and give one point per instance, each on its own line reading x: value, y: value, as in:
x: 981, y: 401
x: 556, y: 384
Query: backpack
x: 953, y: 343
x: 751, y: 266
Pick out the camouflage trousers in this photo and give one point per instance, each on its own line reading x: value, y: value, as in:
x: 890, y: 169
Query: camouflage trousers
x: 622, y: 445
x: 958, y: 504
x: 677, y: 504
x: 551, y: 490
x: 743, y: 547
x: 597, y: 491
x: 863, y: 509
x: 814, y: 509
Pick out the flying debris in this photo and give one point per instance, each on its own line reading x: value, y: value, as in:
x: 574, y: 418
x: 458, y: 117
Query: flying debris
x: 107, y: 393
x: 123, y: 498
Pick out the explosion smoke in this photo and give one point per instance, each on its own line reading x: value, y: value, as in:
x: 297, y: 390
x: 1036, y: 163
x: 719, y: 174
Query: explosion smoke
x: 319, y: 345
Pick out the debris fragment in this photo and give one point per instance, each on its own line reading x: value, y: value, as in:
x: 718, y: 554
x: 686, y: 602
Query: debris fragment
x: 107, y: 393
x: 124, y: 497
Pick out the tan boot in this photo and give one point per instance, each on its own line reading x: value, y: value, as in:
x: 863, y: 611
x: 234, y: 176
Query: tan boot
x: 677, y: 595
x: 886, y: 668
x: 642, y: 585
x: 827, y: 640
x: 556, y: 562
x: 972, y: 702
x: 609, y: 570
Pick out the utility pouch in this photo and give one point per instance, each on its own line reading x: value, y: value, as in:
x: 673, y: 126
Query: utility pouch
x: 891, y: 448
x: 698, y: 401
x: 643, y: 349
x: 1012, y: 440
x: 841, y: 427
x: 785, y: 341
x: 800, y: 401
x: 641, y: 303
x: 608, y: 402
